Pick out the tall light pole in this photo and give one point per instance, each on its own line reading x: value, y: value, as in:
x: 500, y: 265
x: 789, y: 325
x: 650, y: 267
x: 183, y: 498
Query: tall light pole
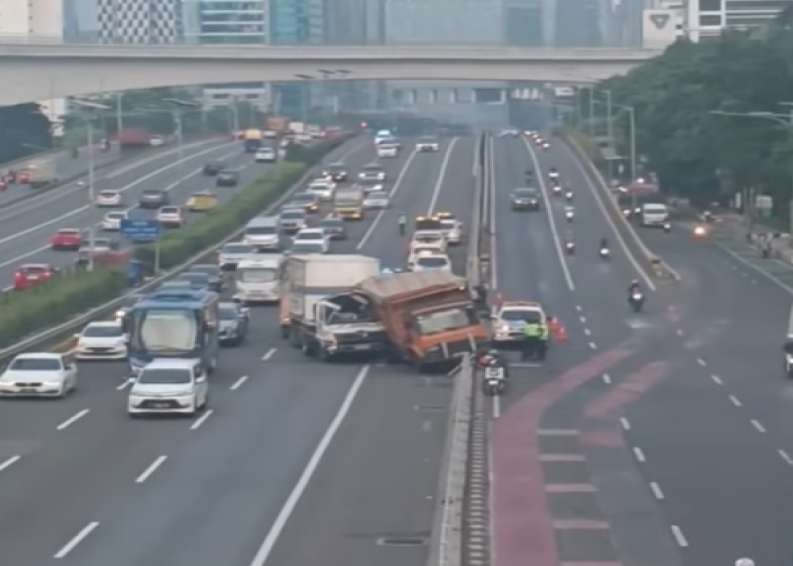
x: 178, y: 105
x: 784, y: 119
x: 89, y: 106
x: 119, y: 111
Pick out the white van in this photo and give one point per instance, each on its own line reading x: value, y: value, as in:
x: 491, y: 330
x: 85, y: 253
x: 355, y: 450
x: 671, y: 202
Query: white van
x: 654, y: 214
x: 262, y: 233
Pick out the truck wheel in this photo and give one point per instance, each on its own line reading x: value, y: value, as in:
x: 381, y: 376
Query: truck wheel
x: 294, y: 338
x: 284, y: 332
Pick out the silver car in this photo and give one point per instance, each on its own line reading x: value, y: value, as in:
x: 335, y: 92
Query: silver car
x: 377, y: 200
x: 233, y: 324
x: 292, y: 220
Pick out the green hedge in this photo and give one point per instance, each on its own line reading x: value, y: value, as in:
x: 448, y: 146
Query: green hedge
x: 27, y: 312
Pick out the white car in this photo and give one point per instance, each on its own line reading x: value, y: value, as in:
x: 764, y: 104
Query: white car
x: 453, y: 230
x: 103, y: 340
x: 109, y: 198
x: 377, y: 199
x: 427, y: 144
x: 429, y: 237
x: 233, y: 253
x: 112, y: 221
x: 511, y: 318
x: 387, y: 150
x: 265, y: 155
x: 269, y: 134
x: 373, y: 172
x: 41, y: 374
x: 422, y: 250
x: 432, y: 262
x: 315, y: 236
x: 323, y: 188
x: 176, y: 386
x: 97, y: 246
x: 303, y: 138
x: 170, y: 216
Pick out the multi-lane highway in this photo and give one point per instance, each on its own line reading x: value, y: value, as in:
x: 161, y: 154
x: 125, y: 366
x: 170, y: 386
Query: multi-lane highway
x: 658, y: 438
x: 296, y: 461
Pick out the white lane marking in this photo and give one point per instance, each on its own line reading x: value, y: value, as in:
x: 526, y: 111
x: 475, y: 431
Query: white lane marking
x: 397, y: 185
x: 239, y: 383
x: 701, y: 362
x: 656, y: 489
x: 606, y: 378
x: 151, y: 469
x: 735, y: 401
x: 10, y: 462
x: 124, y: 384
x: 626, y: 425
x: 436, y: 192
x: 602, y: 205
x: 78, y: 210
x: 639, y: 454
x: 582, y: 319
x: 78, y: 538
x: 557, y: 243
x: 286, y: 511
x: 587, y: 331
x: 785, y: 457
x: 73, y: 419
x: 758, y: 426
x: 496, y: 407
x: 593, y: 345
x: 680, y: 539
x: 717, y: 379
x: 269, y: 354
x: 202, y: 419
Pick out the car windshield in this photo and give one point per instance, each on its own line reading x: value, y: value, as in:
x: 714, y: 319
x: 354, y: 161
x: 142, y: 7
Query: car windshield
x: 372, y: 169
x: 176, y: 284
x: 166, y: 376
x: 33, y: 269
x: 332, y: 223
x: 167, y: 330
x: 521, y: 316
x: 427, y: 139
x: 104, y: 331
x: 432, y: 261
x: 169, y: 210
x: 236, y: 249
x: 261, y: 230
x: 115, y: 215
x: 152, y: 193
x: 228, y: 313
x: 108, y: 193
x: 319, y: 186
x: 98, y: 243
x: 306, y: 248
x: 378, y: 195
x: 257, y: 275
x: 292, y: 215
x: 35, y: 364
x: 310, y: 236
x: 525, y: 193
x: 304, y: 198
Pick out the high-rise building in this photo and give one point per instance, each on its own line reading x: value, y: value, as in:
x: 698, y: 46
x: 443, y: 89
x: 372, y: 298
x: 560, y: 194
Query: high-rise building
x: 139, y: 21
x: 42, y: 18
x: 448, y: 22
x: 523, y: 23
x: 706, y: 18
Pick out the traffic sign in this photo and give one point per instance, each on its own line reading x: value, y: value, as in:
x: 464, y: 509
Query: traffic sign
x: 140, y: 230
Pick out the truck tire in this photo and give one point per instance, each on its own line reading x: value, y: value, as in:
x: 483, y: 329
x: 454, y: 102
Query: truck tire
x: 294, y: 338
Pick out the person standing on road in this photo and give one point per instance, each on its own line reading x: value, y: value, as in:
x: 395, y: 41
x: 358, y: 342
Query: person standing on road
x: 532, y: 334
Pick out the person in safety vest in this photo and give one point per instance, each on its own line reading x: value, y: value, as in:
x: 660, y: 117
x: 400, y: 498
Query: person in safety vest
x: 532, y: 336
x: 402, y: 221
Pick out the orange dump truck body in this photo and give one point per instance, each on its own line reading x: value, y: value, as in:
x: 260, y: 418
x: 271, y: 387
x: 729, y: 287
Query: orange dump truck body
x: 429, y: 316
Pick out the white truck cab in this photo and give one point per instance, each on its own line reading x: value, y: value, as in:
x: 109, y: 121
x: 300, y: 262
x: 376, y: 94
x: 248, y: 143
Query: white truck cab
x: 654, y: 214
x: 257, y: 280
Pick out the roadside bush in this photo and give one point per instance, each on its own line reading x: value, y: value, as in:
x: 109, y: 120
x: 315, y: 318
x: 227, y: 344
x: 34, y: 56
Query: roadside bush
x: 55, y: 302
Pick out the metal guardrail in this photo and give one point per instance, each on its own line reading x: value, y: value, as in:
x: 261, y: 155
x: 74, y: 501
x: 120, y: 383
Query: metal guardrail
x: 62, y: 331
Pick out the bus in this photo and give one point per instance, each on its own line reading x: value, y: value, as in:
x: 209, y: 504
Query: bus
x: 174, y: 324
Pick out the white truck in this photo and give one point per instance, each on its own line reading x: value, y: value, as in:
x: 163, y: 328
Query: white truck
x: 654, y: 214
x: 257, y: 279
x: 41, y: 172
x: 324, y: 320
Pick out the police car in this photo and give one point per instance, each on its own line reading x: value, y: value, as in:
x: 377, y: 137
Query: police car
x: 451, y: 227
x: 431, y: 262
x: 510, y: 319
x: 423, y: 250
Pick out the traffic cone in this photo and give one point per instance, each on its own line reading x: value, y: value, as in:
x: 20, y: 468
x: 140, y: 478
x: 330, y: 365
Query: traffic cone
x: 561, y: 334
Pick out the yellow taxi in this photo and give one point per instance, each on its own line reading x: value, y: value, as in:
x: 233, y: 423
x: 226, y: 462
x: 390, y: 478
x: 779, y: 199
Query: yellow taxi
x: 202, y: 202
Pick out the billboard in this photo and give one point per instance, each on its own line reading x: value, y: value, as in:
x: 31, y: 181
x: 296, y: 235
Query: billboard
x: 659, y: 28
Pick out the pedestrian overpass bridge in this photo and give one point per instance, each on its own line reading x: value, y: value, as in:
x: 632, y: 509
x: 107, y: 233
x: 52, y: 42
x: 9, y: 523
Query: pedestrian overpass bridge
x: 38, y: 71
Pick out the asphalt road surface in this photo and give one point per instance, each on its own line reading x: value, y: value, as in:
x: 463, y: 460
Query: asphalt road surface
x: 661, y: 438
x: 296, y: 462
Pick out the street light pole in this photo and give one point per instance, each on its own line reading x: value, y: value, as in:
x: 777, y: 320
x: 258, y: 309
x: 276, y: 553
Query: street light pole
x: 177, y: 106
x: 632, y: 135
x: 119, y: 112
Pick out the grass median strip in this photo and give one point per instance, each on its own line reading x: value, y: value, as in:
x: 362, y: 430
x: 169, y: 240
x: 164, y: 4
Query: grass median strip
x: 66, y: 296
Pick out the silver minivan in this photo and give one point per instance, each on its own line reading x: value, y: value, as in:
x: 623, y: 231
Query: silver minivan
x: 262, y: 233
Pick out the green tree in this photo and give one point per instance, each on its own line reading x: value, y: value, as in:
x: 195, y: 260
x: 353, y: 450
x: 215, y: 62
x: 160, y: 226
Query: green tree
x: 25, y: 130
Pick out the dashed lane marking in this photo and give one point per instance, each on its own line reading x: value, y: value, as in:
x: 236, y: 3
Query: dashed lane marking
x: 78, y: 538
x: 73, y: 419
x: 202, y: 419
x: 237, y: 384
x: 639, y: 454
x: 270, y: 353
x: 10, y: 462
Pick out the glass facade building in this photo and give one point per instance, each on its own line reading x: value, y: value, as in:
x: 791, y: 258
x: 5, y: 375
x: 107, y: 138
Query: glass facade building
x: 226, y: 21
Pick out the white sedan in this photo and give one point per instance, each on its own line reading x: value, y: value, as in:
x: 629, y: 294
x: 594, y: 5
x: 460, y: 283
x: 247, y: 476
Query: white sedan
x: 322, y: 188
x: 376, y: 200
x: 453, y: 229
x: 432, y: 262
x: 170, y: 216
x: 313, y: 236
x: 109, y: 198
x: 40, y: 374
x: 103, y: 340
x: 112, y: 221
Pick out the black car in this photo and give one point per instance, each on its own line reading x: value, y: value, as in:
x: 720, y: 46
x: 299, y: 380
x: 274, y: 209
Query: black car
x: 214, y: 167
x: 217, y: 279
x: 227, y: 178
x: 234, y: 320
x: 154, y: 198
x: 337, y: 172
x: 334, y: 227
x: 525, y: 199
x: 198, y: 281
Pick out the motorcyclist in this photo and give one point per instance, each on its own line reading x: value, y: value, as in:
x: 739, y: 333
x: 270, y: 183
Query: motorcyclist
x: 604, y: 244
x: 553, y: 173
x: 569, y: 213
x: 494, y: 359
x: 402, y: 221
x: 529, y: 175
x: 634, y: 288
x: 568, y: 193
x: 481, y: 293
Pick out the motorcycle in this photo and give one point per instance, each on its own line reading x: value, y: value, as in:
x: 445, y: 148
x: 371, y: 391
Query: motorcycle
x: 495, y: 380
x: 604, y: 253
x: 553, y: 176
x: 569, y: 247
x: 636, y: 301
x: 569, y: 196
x: 557, y: 190
x: 569, y: 215
x: 667, y: 227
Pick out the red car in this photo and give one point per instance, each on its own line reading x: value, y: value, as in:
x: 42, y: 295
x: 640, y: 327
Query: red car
x: 67, y: 239
x: 32, y: 274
